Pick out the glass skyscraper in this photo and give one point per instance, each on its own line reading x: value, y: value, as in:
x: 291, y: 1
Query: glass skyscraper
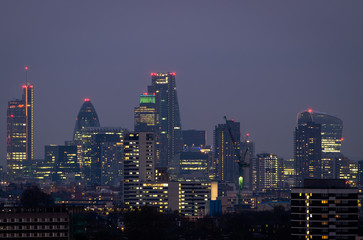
x: 145, y: 116
x: 331, y: 139
x: 225, y: 152
x: 331, y: 129
x: 20, y: 132
x: 169, y: 138
x: 87, y: 117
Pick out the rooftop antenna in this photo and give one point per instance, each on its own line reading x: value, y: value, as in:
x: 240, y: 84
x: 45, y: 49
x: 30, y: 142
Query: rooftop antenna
x: 26, y: 74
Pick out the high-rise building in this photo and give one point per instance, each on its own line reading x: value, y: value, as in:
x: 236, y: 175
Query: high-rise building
x: 331, y: 129
x: 269, y: 172
x: 194, y: 138
x: 63, y: 163
x: 86, y: 144
x: 145, y: 116
x: 106, y: 159
x: 20, y: 132
x: 289, y: 173
x: 139, y: 165
x: 307, y: 151
x: 193, y: 165
x: 324, y: 209
x: 169, y: 139
x: 331, y: 138
x: 87, y: 117
x: 225, y: 152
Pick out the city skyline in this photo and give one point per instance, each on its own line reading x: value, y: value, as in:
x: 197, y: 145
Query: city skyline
x: 259, y: 88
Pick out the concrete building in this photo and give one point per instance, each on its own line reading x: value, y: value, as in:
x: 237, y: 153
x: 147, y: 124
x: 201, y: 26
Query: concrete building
x: 324, y: 209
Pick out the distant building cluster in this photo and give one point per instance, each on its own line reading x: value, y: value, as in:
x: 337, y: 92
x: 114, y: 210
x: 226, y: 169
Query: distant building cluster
x: 159, y: 164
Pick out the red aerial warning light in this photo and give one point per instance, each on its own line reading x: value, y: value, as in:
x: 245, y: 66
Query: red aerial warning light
x: 12, y: 115
x: 153, y: 74
x: 247, y: 134
x: 172, y: 74
x: 342, y: 139
x: 86, y: 99
x: 30, y: 86
x: 24, y: 86
x: 310, y: 110
x: 26, y: 68
x: 145, y: 93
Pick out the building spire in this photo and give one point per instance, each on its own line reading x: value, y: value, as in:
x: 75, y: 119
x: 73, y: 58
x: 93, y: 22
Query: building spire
x: 26, y: 74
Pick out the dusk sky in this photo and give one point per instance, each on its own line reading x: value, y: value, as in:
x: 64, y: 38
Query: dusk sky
x: 258, y: 62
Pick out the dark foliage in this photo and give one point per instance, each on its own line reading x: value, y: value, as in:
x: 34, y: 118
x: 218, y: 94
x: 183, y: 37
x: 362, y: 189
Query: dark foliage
x: 34, y: 197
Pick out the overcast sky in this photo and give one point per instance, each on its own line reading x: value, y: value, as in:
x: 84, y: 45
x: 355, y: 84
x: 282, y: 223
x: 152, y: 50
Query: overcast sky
x: 259, y: 62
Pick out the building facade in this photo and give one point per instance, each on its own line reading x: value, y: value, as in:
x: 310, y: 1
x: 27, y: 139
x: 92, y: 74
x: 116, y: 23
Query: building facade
x: 63, y: 163
x: 139, y: 165
x: 20, y: 133
x: 145, y: 117
x: 87, y: 117
x: 269, y: 172
x: 225, y: 152
x: 307, y: 151
x: 324, y: 209
x: 331, y: 138
x: 169, y: 138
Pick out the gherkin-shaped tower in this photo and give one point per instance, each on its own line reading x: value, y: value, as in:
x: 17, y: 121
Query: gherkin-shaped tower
x: 87, y: 117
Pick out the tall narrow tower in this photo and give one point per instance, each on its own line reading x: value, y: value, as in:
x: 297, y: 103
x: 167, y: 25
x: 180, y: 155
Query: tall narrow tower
x: 20, y: 132
x: 225, y: 151
x: 169, y: 138
x: 307, y: 151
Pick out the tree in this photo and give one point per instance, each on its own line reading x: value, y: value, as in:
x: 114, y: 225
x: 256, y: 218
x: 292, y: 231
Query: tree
x: 34, y: 197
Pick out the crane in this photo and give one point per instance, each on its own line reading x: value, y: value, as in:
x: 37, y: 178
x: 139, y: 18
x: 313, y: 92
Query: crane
x: 241, y: 160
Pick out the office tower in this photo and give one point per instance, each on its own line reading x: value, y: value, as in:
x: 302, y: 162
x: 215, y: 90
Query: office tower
x: 269, y: 172
x: 85, y: 144
x: 331, y: 129
x: 169, y: 139
x: 225, y: 152
x: 63, y: 162
x: 307, y: 151
x: 360, y: 174
x: 193, y: 165
x: 145, y: 116
x: 20, y: 132
x: 331, y: 137
x: 106, y: 159
x: 87, y: 117
x: 139, y: 165
x: 188, y: 198
x: 324, y: 209
x: 289, y: 173
x: 194, y: 138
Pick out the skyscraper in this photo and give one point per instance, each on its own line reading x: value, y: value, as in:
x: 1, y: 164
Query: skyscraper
x: 87, y: 117
x: 20, y: 132
x: 63, y: 162
x: 86, y: 144
x: 269, y: 172
x: 331, y: 129
x: 194, y: 138
x: 307, y: 151
x: 139, y: 165
x: 169, y: 138
x: 225, y: 151
x: 106, y: 159
x: 145, y: 116
x: 331, y: 139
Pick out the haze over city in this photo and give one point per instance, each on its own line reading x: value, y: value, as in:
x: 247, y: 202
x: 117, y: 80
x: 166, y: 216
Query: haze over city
x: 259, y: 63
